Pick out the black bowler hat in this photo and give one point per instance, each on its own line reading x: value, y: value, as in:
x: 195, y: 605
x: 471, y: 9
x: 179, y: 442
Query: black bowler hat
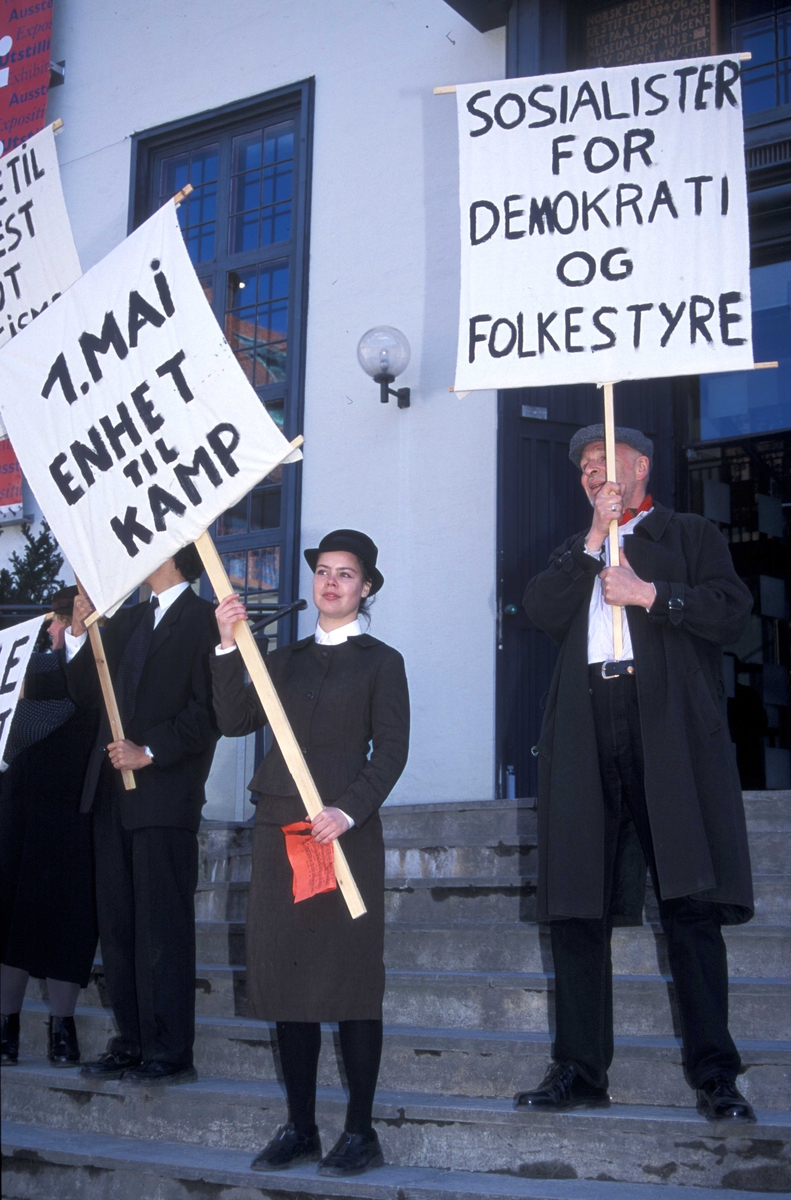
x: 354, y: 542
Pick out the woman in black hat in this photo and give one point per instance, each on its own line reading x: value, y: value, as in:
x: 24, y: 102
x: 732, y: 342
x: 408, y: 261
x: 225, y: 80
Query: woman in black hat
x: 308, y: 961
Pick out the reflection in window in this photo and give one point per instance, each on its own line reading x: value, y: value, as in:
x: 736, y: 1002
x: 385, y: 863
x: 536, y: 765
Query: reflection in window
x: 257, y: 511
x: 261, y: 187
x: 254, y: 574
x: 750, y: 402
x: 763, y: 27
x: 198, y: 213
x: 256, y: 321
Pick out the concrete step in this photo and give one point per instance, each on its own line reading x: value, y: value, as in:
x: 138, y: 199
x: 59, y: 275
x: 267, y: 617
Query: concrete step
x: 643, y: 1004
x: 625, y: 1143
x: 753, y: 950
x: 768, y: 810
x: 40, y: 1164
x: 466, y: 1062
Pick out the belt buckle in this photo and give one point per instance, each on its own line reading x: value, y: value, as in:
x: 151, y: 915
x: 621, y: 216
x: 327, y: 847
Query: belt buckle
x: 604, y: 667
x: 620, y: 669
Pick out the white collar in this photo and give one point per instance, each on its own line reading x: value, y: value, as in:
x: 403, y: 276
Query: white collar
x: 170, y: 596
x: 336, y: 636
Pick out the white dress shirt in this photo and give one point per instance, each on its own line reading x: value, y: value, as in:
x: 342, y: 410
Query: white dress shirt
x: 166, y: 598
x: 334, y: 638
x: 600, y: 640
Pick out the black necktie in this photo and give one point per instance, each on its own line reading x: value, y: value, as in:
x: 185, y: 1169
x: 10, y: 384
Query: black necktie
x: 132, y: 662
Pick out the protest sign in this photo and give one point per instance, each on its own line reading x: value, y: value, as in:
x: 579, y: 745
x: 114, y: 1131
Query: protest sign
x: 16, y: 646
x: 25, y: 45
x: 134, y: 424
x: 603, y: 226
x: 39, y: 259
x: 10, y: 476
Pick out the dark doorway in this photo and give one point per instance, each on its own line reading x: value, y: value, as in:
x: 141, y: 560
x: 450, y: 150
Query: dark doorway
x: 540, y: 504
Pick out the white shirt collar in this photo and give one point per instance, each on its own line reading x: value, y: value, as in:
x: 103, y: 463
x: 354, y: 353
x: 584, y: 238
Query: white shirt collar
x: 336, y: 636
x: 170, y: 596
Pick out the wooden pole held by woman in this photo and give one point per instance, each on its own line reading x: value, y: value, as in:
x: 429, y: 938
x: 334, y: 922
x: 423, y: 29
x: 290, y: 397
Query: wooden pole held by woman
x: 276, y: 716
x: 615, y: 558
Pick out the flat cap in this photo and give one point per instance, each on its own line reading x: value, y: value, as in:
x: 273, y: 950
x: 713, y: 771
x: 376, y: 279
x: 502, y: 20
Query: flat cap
x: 595, y: 433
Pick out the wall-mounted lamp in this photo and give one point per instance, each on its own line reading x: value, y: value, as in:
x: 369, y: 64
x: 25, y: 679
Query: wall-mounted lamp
x: 384, y: 352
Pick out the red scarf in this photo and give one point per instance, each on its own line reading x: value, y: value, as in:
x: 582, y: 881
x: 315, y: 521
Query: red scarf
x: 631, y: 513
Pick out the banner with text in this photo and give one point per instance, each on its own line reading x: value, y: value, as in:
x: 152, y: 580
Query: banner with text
x: 134, y: 424
x: 16, y: 646
x: 603, y: 226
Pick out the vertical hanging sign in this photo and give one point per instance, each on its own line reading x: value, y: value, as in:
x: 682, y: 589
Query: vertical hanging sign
x: 25, y: 40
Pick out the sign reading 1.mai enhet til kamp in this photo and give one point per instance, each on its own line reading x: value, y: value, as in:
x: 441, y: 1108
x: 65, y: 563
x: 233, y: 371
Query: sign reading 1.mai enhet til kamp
x: 603, y: 226
x: 131, y: 417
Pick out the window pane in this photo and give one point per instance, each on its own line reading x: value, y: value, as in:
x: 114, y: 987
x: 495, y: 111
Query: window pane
x: 197, y: 214
x: 759, y: 89
x: 234, y: 520
x: 261, y: 200
x: 759, y: 38
x: 263, y: 574
x: 277, y: 413
x: 265, y: 509
x: 235, y: 564
x: 208, y: 288
x: 256, y: 321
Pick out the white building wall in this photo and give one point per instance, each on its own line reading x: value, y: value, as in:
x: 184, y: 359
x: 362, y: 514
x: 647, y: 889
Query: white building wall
x: 384, y: 250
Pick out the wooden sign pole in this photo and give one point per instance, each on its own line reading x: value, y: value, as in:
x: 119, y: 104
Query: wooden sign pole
x: 615, y: 558
x: 276, y: 716
x: 106, y: 683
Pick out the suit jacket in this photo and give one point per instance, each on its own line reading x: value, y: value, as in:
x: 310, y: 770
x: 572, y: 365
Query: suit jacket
x: 339, y: 700
x: 173, y: 713
x: 692, y: 785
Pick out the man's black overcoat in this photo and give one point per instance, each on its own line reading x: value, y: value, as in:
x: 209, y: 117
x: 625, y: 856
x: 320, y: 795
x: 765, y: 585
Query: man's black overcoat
x: 692, y: 786
x: 173, y: 712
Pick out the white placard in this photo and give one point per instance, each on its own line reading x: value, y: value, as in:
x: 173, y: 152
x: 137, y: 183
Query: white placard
x: 16, y: 646
x: 134, y: 424
x: 38, y: 260
x: 603, y: 226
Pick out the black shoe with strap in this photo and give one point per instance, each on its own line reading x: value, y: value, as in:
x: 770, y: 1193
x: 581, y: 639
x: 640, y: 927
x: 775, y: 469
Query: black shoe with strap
x: 563, y: 1087
x: 720, y: 1100
x: 153, y: 1073
x: 63, y: 1048
x: 352, y: 1154
x: 288, y: 1149
x: 112, y: 1065
x: 9, y: 1041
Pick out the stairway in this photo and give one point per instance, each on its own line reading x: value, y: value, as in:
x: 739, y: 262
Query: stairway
x: 467, y: 1024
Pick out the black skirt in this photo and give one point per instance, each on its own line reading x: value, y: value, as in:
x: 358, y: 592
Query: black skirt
x: 47, y: 907
x: 310, y: 961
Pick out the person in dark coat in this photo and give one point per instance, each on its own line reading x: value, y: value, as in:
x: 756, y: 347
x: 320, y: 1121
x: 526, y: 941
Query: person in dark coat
x: 145, y: 839
x: 309, y: 961
x: 47, y: 909
x: 645, y: 737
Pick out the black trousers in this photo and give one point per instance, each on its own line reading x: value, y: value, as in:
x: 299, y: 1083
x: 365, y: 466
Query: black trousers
x: 581, y: 948
x: 145, y: 894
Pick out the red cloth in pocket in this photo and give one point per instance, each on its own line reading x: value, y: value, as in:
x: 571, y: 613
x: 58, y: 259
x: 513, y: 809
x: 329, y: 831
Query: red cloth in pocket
x: 312, y: 864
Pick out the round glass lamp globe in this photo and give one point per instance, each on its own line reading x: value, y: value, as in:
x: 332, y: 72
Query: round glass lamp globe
x: 383, y: 351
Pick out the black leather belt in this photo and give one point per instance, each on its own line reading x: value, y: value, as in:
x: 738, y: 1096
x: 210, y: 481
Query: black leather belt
x: 613, y: 670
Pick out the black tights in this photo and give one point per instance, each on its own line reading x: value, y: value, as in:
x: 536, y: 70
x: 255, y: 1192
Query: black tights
x: 299, y: 1043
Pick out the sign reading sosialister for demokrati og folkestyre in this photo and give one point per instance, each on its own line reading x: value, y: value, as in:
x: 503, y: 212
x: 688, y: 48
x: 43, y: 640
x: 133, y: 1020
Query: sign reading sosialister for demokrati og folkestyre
x: 603, y: 226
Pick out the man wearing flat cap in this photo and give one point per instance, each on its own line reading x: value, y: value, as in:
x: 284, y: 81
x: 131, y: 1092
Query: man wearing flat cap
x: 643, y: 740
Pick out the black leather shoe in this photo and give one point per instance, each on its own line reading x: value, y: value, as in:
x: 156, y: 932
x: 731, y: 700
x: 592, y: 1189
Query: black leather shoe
x: 111, y: 1065
x: 9, y: 1041
x: 63, y: 1047
x: 160, y: 1074
x: 720, y: 1100
x: 288, y: 1148
x: 563, y: 1087
x: 352, y: 1154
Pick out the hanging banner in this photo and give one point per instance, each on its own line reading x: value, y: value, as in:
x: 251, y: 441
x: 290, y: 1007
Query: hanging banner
x: 25, y: 39
x: 38, y: 259
x: 16, y: 646
x: 134, y: 424
x: 10, y: 476
x: 603, y: 226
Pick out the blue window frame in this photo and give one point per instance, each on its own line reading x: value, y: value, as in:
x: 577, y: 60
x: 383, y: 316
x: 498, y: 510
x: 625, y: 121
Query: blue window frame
x: 245, y: 225
x: 764, y: 28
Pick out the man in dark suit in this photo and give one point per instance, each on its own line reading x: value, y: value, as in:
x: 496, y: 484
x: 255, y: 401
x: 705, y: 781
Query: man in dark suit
x: 145, y: 839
